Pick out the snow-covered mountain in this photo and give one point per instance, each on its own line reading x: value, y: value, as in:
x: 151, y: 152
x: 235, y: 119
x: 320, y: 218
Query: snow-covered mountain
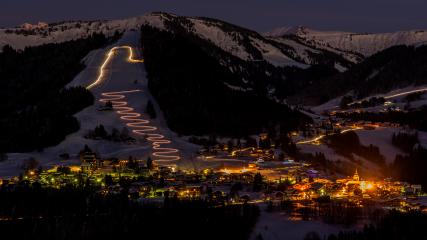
x: 286, y: 46
x: 34, y: 35
x: 365, y: 44
x: 279, y: 63
x: 243, y: 43
x: 249, y: 45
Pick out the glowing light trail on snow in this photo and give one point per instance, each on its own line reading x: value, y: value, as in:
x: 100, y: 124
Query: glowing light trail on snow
x: 132, y: 118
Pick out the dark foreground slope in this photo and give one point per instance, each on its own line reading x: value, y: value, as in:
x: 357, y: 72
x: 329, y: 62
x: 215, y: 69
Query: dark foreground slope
x: 75, y: 212
x: 190, y: 84
x: 36, y: 108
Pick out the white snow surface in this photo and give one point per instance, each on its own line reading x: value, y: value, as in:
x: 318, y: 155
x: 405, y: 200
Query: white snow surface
x: 274, y: 55
x: 299, y: 49
x: 368, y: 168
x: 381, y: 137
x: 226, y: 41
x: 230, y: 41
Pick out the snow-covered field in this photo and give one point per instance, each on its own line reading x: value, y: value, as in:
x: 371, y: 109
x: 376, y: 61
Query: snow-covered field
x: 120, y: 75
x: 368, y: 168
x: 423, y: 138
x: 381, y: 137
x: 275, y: 56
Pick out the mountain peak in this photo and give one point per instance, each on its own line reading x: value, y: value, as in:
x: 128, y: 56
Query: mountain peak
x: 287, y: 30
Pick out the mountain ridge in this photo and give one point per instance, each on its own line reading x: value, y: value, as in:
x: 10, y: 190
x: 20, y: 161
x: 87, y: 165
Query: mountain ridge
x: 278, y: 64
x: 366, y: 44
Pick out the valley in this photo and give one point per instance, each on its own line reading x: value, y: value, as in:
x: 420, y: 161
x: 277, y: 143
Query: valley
x: 289, y: 131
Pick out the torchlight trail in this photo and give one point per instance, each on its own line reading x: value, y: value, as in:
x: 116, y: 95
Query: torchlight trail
x: 141, y: 126
x: 108, y: 59
x: 406, y: 93
x: 134, y: 119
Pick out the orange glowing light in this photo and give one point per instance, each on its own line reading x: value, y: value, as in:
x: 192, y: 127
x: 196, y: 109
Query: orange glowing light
x: 108, y: 59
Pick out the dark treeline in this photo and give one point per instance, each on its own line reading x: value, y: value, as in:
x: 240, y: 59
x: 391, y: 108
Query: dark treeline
x: 37, y: 111
x: 348, y: 143
x: 347, y: 102
x: 395, y: 67
x: 77, y: 213
x: 410, y: 166
x: 405, y: 141
x: 188, y: 82
x: 100, y: 133
x: 150, y: 110
x: 416, y: 119
x: 395, y: 225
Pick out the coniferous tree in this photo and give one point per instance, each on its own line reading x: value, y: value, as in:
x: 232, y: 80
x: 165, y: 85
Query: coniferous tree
x: 258, y: 182
x: 109, y: 105
x: 149, y: 163
x: 149, y: 109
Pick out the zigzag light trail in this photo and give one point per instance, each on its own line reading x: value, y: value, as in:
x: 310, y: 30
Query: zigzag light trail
x: 132, y: 118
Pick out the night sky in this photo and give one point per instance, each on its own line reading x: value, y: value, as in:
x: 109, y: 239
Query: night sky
x: 261, y: 15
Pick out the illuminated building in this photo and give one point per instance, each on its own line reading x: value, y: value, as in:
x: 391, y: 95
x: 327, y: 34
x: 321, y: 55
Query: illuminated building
x: 356, y: 176
x: 90, y: 160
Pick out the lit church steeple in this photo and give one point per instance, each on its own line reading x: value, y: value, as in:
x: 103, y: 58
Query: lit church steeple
x: 356, y: 176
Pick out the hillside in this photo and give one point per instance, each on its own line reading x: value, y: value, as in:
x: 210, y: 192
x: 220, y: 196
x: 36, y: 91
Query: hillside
x: 37, y: 108
x: 193, y: 87
x: 285, y: 65
x: 394, y: 68
x: 26, y: 36
x: 246, y: 44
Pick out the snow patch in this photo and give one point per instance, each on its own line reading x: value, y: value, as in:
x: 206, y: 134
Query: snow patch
x: 222, y: 39
x: 274, y: 55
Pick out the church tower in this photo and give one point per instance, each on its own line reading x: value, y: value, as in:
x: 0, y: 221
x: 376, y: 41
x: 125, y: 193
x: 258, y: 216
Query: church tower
x: 356, y: 176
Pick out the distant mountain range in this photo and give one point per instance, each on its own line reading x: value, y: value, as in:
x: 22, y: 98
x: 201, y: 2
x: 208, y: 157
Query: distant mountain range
x: 284, y: 64
x: 365, y: 44
x: 297, y: 40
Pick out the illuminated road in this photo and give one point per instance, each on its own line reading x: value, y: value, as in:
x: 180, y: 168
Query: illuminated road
x: 387, y: 97
x: 318, y: 138
x: 405, y: 93
x: 142, y: 127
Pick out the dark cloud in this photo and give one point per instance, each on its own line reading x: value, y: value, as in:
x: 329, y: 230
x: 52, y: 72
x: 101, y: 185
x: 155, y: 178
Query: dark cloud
x: 262, y: 15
